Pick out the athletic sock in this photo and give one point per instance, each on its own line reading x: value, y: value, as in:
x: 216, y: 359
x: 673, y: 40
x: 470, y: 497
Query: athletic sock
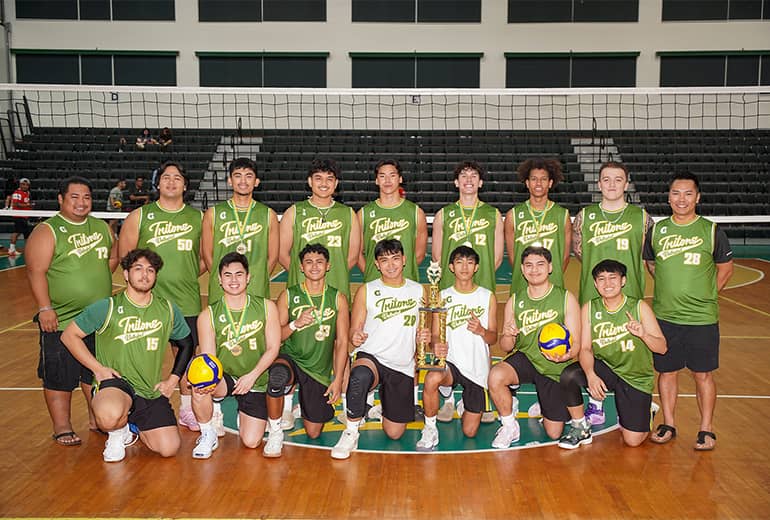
x: 217, y: 407
x: 207, y: 425
x: 120, y: 432
x: 288, y: 401
x: 579, y: 423
x: 597, y: 404
x: 430, y: 422
x: 450, y: 399
x: 508, y: 420
x: 370, y: 398
x: 416, y: 394
x: 185, y: 401
x: 274, y: 424
x: 352, y: 426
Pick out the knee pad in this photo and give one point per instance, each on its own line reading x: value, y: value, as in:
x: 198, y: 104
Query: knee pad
x: 278, y: 379
x: 361, y: 379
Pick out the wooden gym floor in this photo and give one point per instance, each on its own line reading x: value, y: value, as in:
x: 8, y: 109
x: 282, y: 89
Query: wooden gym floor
x: 603, y: 480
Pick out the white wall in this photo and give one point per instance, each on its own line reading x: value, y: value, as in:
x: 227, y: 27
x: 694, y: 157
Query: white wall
x: 338, y: 36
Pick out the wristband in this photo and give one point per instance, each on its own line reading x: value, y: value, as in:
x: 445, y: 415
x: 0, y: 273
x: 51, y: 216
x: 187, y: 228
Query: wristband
x: 292, y: 326
x: 46, y: 308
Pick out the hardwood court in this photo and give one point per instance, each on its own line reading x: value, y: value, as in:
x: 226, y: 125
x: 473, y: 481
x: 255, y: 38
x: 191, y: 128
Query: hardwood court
x: 603, y: 480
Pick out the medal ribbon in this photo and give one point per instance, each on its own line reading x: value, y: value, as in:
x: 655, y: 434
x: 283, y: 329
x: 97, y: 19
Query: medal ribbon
x: 319, y: 316
x: 468, y: 223
x: 236, y: 329
x: 241, y: 226
x: 539, y: 225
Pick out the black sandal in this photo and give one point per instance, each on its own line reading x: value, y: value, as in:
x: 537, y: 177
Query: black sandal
x: 700, y: 444
x: 659, y: 436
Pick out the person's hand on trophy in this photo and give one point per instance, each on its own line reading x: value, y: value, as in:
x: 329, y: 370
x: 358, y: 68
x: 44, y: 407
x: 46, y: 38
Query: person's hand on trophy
x: 423, y: 336
x: 440, y: 350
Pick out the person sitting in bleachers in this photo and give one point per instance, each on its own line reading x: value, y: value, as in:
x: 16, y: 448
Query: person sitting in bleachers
x: 144, y: 139
x: 165, y: 138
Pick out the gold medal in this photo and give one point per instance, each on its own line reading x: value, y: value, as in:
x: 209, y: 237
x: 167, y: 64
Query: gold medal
x: 241, y: 248
x: 236, y: 350
x: 319, y: 335
x: 241, y: 226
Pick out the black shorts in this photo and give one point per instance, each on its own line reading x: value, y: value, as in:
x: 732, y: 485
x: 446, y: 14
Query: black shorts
x: 253, y: 404
x: 474, y: 396
x: 396, y: 392
x: 21, y: 226
x: 192, y: 322
x: 312, y: 400
x: 146, y: 414
x: 59, y: 369
x: 549, y: 392
x: 632, y: 404
x: 693, y: 346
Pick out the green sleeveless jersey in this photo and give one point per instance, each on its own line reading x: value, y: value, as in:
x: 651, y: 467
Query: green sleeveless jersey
x: 313, y: 356
x: 329, y: 227
x: 399, y: 222
x: 254, y: 237
x: 530, y: 315
x: 685, y: 272
x: 239, y: 354
x: 543, y: 228
x: 627, y: 355
x: 616, y: 235
x: 133, y: 339
x: 175, y: 236
x: 464, y: 226
x: 79, y: 273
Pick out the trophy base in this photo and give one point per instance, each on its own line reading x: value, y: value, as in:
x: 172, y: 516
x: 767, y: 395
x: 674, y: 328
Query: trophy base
x: 432, y: 364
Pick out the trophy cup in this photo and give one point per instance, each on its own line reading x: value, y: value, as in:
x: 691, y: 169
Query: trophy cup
x: 432, y: 309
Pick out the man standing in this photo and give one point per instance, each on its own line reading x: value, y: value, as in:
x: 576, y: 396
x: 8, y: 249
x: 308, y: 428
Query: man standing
x: 172, y: 229
x: 314, y: 329
x: 321, y: 220
x: 115, y: 203
x: 526, y: 312
x: 383, y: 328
x: 20, y: 199
x: 538, y: 222
x: 471, y: 328
x: 70, y: 259
x: 611, y: 229
x: 132, y: 332
x: 691, y: 261
x: 243, y: 225
x: 472, y: 223
x: 620, y: 333
x: 391, y: 216
x: 243, y: 331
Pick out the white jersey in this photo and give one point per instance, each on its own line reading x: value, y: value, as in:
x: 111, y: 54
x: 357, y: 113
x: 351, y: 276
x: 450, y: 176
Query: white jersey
x: 467, y: 351
x: 391, y: 323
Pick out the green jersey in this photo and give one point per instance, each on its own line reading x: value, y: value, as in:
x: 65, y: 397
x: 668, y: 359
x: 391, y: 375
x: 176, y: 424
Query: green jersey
x: 617, y: 235
x: 79, y: 273
x: 538, y: 228
x: 329, y: 227
x: 175, y: 236
x: 627, y: 355
x: 248, y: 230
x: 685, y: 270
x: 473, y: 227
x: 313, y: 355
x: 530, y: 314
x: 132, y: 339
x: 240, y: 353
x: 399, y: 222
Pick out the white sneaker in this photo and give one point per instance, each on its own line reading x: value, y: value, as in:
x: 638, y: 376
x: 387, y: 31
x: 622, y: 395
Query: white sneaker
x: 375, y: 413
x: 342, y: 418
x: 506, y: 436
x: 446, y: 413
x: 219, y: 423
x: 347, y: 443
x: 296, y: 411
x: 206, y: 444
x: 429, y: 439
x: 115, y: 447
x: 460, y: 408
x: 534, y: 410
x: 488, y: 417
x: 274, y: 444
x: 287, y: 420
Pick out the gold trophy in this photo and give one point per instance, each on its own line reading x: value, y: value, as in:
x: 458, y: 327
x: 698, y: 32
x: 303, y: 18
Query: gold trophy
x: 432, y: 309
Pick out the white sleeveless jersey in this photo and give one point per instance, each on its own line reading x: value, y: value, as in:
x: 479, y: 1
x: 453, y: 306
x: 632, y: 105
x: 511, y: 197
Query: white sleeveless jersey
x: 467, y: 351
x: 391, y: 323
